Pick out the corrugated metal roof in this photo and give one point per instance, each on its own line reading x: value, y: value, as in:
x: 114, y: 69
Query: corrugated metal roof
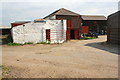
x: 93, y: 17
x: 62, y: 11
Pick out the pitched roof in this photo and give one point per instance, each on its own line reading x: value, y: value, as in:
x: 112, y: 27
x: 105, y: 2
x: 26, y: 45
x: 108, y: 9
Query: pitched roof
x: 118, y: 12
x: 92, y: 17
x: 62, y: 11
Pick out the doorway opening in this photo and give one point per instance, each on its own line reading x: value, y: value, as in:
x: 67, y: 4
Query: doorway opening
x: 72, y: 34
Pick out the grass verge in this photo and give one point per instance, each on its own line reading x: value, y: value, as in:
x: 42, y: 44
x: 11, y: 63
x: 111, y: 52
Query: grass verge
x: 87, y: 38
x: 13, y: 44
x: 44, y: 43
x: 17, y: 44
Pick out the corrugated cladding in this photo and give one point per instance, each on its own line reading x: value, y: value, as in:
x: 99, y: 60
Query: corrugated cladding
x: 113, y: 30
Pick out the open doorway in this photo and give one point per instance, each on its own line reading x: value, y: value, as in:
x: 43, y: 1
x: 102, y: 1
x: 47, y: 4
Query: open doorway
x: 48, y: 34
x: 72, y: 34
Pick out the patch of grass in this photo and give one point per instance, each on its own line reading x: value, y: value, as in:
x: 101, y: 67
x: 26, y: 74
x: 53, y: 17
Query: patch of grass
x: 5, y: 70
x: 44, y: 43
x: 82, y: 39
x: 86, y: 38
x: 29, y: 43
x: 17, y: 44
x: 3, y: 67
x: 89, y: 38
x: 14, y: 44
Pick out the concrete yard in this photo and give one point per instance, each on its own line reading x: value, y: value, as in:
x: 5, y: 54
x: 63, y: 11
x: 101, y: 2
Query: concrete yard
x: 72, y: 59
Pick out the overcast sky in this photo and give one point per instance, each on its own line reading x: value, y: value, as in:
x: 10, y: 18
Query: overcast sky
x: 33, y: 9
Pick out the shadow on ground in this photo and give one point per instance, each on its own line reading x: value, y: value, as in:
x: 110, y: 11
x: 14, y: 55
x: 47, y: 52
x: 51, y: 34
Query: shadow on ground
x: 112, y: 48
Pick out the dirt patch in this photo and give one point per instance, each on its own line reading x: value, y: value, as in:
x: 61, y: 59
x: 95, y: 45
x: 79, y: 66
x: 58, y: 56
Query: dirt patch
x: 73, y: 59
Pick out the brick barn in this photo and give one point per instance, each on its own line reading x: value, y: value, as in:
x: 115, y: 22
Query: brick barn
x: 113, y: 30
x: 73, y: 22
x: 96, y: 23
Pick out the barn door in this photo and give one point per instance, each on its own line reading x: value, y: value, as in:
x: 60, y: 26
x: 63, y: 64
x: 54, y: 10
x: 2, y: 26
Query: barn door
x: 48, y: 34
x: 68, y: 34
x: 76, y: 32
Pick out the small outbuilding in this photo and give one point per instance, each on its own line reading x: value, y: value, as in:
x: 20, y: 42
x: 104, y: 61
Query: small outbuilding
x: 113, y: 30
x: 40, y: 31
